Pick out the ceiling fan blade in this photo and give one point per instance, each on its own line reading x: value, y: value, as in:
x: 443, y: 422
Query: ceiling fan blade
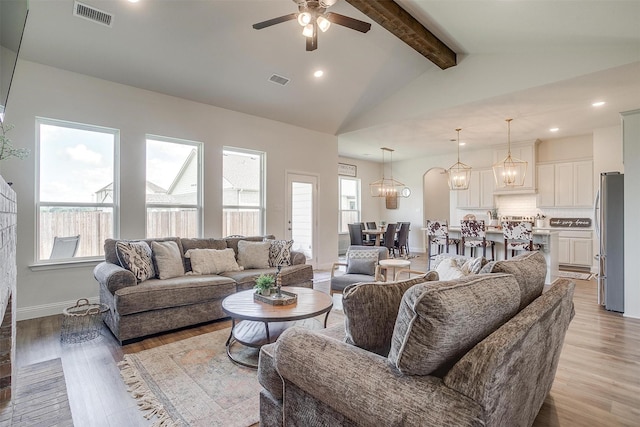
x: 274, y: 21
x: 312, y: 42
x: 345, y: 21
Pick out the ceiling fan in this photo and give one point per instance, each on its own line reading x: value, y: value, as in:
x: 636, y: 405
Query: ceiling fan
x: 312, y: 15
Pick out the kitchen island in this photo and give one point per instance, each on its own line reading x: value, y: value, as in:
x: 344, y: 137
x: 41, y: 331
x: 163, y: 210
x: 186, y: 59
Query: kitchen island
x: 547, y: 239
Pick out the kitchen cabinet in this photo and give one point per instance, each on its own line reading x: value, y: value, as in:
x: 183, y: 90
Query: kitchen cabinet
x: 526, y: 152
x: 567, y: 184
x: 575, y: 248
x: 480, y: 193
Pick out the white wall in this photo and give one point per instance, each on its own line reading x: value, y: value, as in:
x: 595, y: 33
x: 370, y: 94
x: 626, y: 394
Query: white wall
x: 631, y: 136
x: 53, y: 93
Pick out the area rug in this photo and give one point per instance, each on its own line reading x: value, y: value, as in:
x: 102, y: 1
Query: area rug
x: 575, y: 275
x: 41, y: 396
x: 193, y: 383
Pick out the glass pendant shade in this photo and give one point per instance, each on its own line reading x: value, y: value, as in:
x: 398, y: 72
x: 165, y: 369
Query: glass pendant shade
x: 511, y: 171
x: 459, y: 173
x: 304, y: 18
x: 386, y: 187
x: 323, y: 23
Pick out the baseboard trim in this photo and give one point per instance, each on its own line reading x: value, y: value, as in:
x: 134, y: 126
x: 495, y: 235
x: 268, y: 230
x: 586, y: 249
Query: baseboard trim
x: 44, y: 310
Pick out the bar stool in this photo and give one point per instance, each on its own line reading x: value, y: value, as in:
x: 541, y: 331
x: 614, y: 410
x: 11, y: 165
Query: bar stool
x: 474, y: 235
x: 518, y: 236
x: 438, y: 234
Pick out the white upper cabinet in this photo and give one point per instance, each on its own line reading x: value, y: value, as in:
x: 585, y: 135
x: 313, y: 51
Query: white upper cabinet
x: 568, y: 184
x: 480, y: 192
x: 522, y: 151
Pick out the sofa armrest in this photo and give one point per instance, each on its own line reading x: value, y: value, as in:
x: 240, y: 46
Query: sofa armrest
x: 298, y: 258
x: 113, y: 277
x: 364, y: 387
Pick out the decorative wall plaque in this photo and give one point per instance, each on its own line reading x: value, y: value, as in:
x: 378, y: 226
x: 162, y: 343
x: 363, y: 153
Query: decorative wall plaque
x: 570, y: 222
x: 347, y: 169
x: 392, y: 201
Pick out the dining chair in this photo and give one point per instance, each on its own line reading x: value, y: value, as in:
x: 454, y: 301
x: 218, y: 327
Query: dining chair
x: 474, y: 235
x: 402, y: 242
x: 390, y: 239
x: 438, y: 234
x: 518, y: 236
x: 355, y: 234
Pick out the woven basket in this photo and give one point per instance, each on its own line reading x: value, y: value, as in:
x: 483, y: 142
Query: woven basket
x: 82, y: 322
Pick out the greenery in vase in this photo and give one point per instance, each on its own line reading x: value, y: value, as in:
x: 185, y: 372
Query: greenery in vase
x: 6, y: 148
x: 264, y: 283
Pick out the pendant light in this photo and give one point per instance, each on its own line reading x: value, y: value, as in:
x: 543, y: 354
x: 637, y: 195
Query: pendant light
x: 386, y: 187
x: 511, y: 171
x: 459, y: 173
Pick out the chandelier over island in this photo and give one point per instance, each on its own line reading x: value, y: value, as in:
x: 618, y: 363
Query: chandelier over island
x: 511, y: 171
x: 387, y: 187
x: 459, y: 173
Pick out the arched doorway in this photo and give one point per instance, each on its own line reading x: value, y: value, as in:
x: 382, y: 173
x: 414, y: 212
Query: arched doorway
x: 435, y: 195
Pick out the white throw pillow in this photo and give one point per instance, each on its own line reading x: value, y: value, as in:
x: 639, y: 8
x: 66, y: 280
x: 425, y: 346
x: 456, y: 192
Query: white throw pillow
x: 448, y: 270
x: 253, y: 254
x: 212, y: 261
x: 167, y: 259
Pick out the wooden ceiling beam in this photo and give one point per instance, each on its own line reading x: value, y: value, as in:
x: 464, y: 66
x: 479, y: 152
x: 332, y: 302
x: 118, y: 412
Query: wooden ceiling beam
x: 400, y: 23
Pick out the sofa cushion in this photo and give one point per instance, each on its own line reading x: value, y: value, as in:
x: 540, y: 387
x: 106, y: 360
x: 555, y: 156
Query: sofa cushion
x: 212, y: 261
x: 292, y: 275
x: 371, y: 309
x: 253, y: 254
x: 530, y: 271
x: 362, y: 262
x: 279, y: 252
x: 136, y: 257
x: 155, y: 294
x: 167, y: 260
x: 200, y: 244
x: 438, y: 322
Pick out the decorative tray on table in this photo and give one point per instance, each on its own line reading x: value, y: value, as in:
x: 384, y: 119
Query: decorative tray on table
x: 286, y: 298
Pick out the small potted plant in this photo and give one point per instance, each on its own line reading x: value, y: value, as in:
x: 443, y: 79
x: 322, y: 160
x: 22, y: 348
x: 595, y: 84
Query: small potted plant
x: 264, y: 284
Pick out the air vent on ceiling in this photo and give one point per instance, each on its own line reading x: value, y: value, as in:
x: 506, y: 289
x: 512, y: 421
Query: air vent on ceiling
x: 279, y: 79
x: 92, y: 14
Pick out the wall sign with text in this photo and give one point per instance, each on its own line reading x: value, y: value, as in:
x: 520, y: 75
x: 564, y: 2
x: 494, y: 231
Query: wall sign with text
x: 570, y: 222
x: 347, y: 169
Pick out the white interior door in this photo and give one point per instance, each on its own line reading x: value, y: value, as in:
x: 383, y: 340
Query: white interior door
x: 301, y: 214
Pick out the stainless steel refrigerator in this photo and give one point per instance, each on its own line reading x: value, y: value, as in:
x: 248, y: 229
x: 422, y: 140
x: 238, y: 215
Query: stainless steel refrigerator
x: 609, y: 219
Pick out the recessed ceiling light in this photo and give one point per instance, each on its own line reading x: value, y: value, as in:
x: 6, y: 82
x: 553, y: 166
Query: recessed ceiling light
x: 554, y: 129
x: 133, y: 1
x: 598, y: 104
x: 462, y: 143
x: 318, y: 73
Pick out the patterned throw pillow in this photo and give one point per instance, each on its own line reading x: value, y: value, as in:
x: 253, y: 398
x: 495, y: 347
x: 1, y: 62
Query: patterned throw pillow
x: 362, y: 262
x: 279, y: 252
x: 473, y: 265
x: 136, y: 257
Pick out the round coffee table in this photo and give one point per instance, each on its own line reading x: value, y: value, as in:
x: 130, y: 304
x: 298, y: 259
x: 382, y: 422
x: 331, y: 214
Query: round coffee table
x: 393, y: 264
x: 255, y: 323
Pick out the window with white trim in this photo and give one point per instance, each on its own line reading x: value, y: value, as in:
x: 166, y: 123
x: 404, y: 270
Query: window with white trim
x: 173, y: 187
x: 349, y: 203
x: 243, y: 195
x: 76, y: 189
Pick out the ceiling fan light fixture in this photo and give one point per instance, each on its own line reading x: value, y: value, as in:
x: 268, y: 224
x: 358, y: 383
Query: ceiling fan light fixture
x: 323, y: 23
x: 327, y: 3
x: 308, y: 30
x: 304, y: 18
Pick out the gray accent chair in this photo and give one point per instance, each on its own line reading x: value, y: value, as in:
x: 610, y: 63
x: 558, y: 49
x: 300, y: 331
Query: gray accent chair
x: 341, y: 281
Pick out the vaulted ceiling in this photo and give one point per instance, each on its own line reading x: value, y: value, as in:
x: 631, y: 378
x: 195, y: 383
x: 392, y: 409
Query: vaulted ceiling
x: 540, y: 62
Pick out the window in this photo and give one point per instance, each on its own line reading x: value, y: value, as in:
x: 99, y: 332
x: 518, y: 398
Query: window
x: 77, y: 189
x: 243, y: 192
x: 349, y: 203
x: 173, y: 187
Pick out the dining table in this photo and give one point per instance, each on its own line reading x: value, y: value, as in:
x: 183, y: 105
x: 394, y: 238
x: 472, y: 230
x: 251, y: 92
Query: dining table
x: 377, y: 233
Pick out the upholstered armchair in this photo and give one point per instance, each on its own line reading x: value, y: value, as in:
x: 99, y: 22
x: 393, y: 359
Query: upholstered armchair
x: 361, y: 266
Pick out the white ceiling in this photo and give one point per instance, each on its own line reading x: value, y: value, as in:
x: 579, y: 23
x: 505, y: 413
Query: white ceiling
x: 540, y: 62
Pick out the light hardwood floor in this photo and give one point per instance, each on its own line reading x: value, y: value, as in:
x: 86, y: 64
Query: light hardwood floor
x: 597, y: 383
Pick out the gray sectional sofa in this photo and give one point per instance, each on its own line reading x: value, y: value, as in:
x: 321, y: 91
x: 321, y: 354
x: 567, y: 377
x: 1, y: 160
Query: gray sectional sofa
x: 476, y: 351
x: 138, y: 309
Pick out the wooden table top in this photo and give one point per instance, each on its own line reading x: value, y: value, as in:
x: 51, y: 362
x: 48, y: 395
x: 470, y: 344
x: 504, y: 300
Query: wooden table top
x: 310, y: 303
x: 394, y: 262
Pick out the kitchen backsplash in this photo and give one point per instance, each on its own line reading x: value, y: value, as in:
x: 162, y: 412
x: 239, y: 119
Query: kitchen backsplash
x: 525, y: 205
